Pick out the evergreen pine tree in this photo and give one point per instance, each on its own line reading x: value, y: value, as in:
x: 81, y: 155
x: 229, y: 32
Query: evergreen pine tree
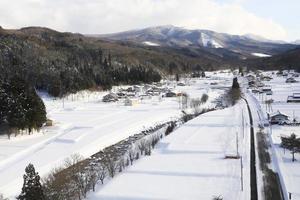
x: 32, y: 188
x: 235, y: 83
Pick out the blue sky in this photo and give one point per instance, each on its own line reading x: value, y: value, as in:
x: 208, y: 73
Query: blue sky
x: 272, y: 19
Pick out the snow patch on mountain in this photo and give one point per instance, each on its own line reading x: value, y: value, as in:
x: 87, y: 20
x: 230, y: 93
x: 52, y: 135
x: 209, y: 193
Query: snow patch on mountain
x: 150, y: 43
x: 207, y: 41
x: 261, y: 55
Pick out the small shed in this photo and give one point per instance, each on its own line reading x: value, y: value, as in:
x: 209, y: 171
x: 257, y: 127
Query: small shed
x: 170, y: 94
x: 111, y: 97
x: 278, y: 118
x: 180, y: 84
x: 250, y: 77
x: 131, y: 102
x: 49, y: 122
x: 266, y: 78
x: 290, y: 80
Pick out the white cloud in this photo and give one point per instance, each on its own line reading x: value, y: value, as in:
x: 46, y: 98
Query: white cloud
x: 104, y: 16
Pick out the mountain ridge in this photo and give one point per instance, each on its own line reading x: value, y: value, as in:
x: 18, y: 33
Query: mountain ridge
x: 174, y: 36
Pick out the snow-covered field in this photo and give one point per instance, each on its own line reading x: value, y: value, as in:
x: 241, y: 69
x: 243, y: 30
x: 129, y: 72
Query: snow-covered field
x: 289, y: 171
x: 189, y: 163
x: 86, y: 125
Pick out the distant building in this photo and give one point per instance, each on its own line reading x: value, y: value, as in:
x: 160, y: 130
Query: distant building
x: 267, y: 90
x: 266, y: 78
x: 295, y: 98
x: 49, y: 122
x: 111, y: 97
x: 131, y: 102
x: 170, y: 94
x: 278, y: 118
x: 295, y: 75
x: 255, y: 91
x: 250, y: 77
x: 290, y: 80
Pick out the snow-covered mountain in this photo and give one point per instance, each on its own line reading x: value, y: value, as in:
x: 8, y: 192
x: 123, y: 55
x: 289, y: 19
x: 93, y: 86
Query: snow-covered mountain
x: 297, y: 42
x: 173, y: 36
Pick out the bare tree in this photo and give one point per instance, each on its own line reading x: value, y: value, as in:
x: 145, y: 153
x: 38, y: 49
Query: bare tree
x: 195, y: 104
x: 269, y: 104
x: 111, y: 164
x: 148, y: 149
x: 101, y: 172
x: 142, y: 146
x: 131, y: 154
x: 76, y: 174
x: 91, y: 173
x: 73, y: 160
x: 154, y: 140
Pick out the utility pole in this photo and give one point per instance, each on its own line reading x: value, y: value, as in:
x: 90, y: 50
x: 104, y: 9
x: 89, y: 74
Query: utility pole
x: 242, y: 178
x: 63, y: 102
x: 237, y: 145
x: 243, y: 122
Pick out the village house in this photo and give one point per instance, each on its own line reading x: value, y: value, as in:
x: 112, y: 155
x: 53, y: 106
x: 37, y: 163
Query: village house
x: 278, y: 118
x: 266, y: 78
x: 267, y: 90
x: 295, y: 98
x: 170, y: 94
x: 131, y: 102
x: 290, y: 80
x: 111, y: 97
x: 250, y: 77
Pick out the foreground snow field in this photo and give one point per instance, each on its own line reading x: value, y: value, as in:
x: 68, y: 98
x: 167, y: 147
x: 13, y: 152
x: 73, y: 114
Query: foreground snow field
x: 282, y: 160
x: 85, y: 126
x: 189, y: 163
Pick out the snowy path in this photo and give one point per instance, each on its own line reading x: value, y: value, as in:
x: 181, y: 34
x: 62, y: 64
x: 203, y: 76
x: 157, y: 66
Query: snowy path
x: 188, y: 164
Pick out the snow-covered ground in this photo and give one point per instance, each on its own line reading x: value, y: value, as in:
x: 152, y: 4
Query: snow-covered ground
x: 189, y: 163
x: 85, y: 125
x: 208, y: 41
x: 282, y: 161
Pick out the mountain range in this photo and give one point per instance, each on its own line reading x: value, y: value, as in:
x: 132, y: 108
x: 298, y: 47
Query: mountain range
x: 221, y: 44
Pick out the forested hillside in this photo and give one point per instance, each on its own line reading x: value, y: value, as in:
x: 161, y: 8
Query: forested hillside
x: 62, y: 63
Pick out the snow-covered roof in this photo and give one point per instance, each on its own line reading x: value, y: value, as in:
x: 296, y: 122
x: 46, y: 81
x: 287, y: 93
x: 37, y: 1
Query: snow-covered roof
x: 296, y: 95
x: 277, y: 113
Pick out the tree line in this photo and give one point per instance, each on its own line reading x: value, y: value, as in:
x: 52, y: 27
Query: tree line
x: 20, y: 108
